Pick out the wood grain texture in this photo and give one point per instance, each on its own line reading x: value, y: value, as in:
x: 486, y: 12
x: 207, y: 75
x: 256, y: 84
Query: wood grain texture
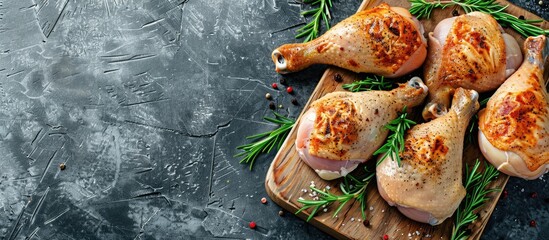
x: 288, y: 176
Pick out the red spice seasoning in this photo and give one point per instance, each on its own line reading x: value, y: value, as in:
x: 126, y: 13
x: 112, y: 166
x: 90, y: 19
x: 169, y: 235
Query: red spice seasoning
x: 504, y: 194
x: 252, y: 225
x: 289, y: 90
x: 274, y: 85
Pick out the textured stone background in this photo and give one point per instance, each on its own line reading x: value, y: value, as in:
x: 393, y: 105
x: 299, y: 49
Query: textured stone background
x: 145, y: 102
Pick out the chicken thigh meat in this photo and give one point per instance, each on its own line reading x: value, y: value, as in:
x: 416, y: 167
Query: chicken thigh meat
x: 387, y: 41
x: 343, y: 129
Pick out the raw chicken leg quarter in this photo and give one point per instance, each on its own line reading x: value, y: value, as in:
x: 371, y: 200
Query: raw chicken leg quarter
x: 384, y: 40
x: 343, y: 129
x: 514, y: 127
x: 469, y: 51
x: 427, y: 187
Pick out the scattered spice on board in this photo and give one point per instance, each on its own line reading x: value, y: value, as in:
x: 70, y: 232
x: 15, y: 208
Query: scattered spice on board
x: 338, y: 77
x: 252, y: 225
x: 274, y: 85
x: 62, y: 166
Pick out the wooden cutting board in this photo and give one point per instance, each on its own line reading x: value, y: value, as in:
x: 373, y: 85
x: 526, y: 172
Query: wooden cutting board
x: 288, y: 176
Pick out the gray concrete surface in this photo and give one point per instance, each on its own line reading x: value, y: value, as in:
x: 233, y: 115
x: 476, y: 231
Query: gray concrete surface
x: 144, y: 102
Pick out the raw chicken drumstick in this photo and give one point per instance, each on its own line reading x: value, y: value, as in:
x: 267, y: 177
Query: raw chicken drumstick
x: 469, y: 51
x: 343, y: 129
x: 514, y: 128
x: 387, y: 41
x: 427, y: 187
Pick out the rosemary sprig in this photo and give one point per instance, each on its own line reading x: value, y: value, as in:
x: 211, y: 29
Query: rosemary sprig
x: 475, y: 185
x: 395, y: 142
x: 368, y: 84
x: 423, y: 8
x: 351, y: 187
x: 322, y: 13
x: 270, y: 139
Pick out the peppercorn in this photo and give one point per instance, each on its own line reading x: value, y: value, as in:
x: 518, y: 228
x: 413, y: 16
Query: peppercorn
x: 455, y: 13
x: 252, y: 225
x: 521, y: 17
x: 366, y: 223
x: 289, y: 90
x: 534, y: 195
x: 274, y: 85
x: 268, y: 96
x: 283, y: 81
x: 385, y: 237
x: 338, y: 78
x: 264, y: 200
x: 294, y: 101
x: 62, y: 166
x: 272, y: 105
x: 281, y: 213
x: 532, y: 223
x: 280, y: 106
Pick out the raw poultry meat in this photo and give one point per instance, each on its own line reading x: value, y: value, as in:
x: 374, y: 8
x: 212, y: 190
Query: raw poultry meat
x: 514, y: 127
x: 427, y: 187
x: 469, y: 51
x: 384, y: 40
x: 343, y: 129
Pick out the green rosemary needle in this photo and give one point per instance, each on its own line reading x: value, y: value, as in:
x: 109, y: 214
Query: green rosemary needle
x: 322, y: 13
x: 475, y: 185
x: 368, y: 84
x: 423, y: 8
x: 351, y: 187
x: 395, y: 142
x: 270, y: 139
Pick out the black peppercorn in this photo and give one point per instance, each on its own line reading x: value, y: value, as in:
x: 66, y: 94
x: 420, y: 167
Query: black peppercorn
x: 294, y: 101
x: 272, y: 105
x: 338, y: 77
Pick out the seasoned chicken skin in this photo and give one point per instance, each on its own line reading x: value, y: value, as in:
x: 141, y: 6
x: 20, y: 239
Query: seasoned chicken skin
x: 427, y: 187
x: 468, y: 51
x: 514, y: 127
x: 343, y: 129
x: 384, y: 40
